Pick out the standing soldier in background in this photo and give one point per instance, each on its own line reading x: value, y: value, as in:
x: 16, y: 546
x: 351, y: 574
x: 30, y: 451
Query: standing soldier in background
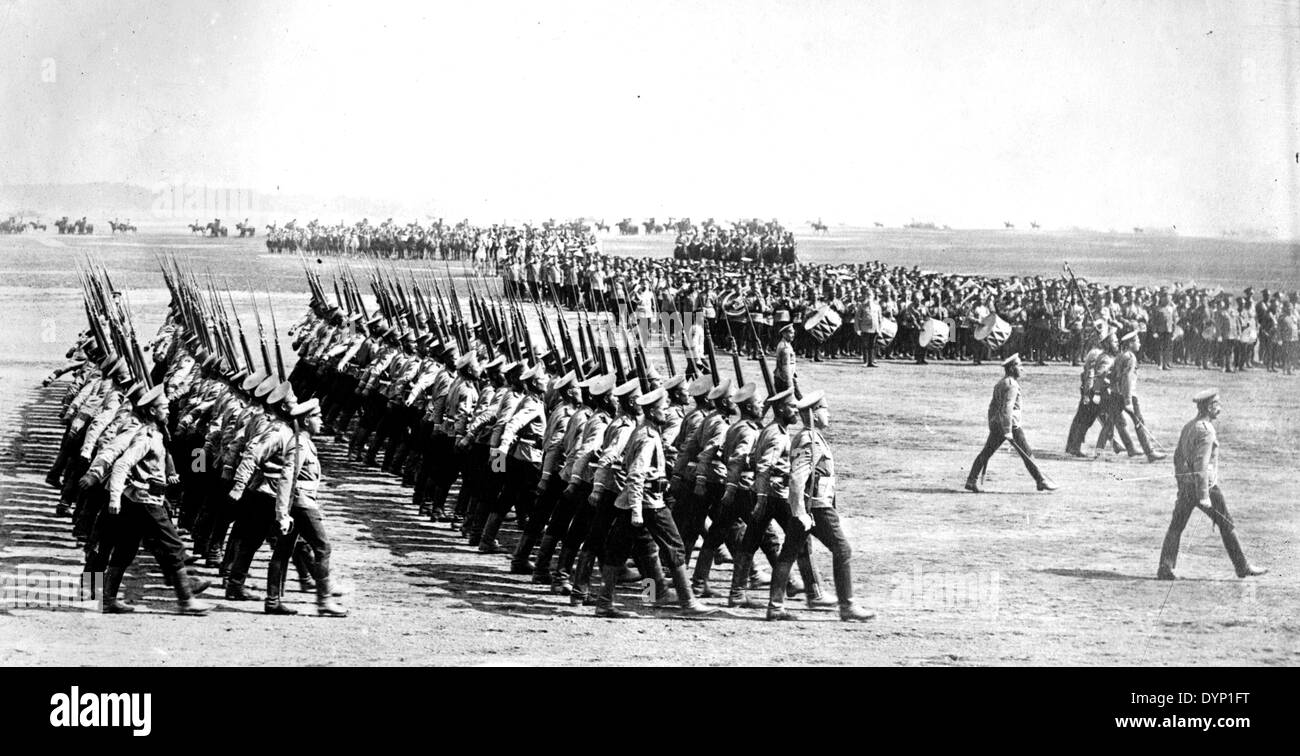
x: 1196, y: 470
x: 1124, y: 402
x: 784, y: 375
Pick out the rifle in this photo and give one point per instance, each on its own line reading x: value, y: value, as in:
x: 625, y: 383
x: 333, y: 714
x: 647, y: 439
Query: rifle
x: 275, y: 332
x: 261, y: 335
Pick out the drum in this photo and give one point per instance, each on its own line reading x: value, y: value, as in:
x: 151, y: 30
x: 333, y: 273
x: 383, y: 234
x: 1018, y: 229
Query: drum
x: 1209, y: 332
x: 934, y: 334
x: 1249, y: 335
x: 993, y: 331
x: 885, y: 332
x: 822, y: 324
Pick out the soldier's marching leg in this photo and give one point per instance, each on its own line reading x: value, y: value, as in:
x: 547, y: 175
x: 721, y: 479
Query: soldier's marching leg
x: 1228, y: 532
x: 275, y: 570
x: 1173, y: 536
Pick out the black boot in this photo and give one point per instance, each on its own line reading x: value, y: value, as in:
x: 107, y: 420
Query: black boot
x: 274, y: 590
x: 690, y: 606
x: 703, y: 566
x: 186, y: 602
x: 488, y: 538
x: 582, y: 578
x: 605, y: 606
x: 542, y: 570
x: 519, y: 564
x: 563, y: 568
x: 113, y: 583
x: 326, y: 606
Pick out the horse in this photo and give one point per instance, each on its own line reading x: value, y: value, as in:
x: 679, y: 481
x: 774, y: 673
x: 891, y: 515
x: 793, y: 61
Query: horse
x: 877, y: 224
x: 246, y: 229
x: 197, y: 228
x: 818, y: 226
x: 1033, y: 224
x: 601, y: 225
x: 1008, y: 224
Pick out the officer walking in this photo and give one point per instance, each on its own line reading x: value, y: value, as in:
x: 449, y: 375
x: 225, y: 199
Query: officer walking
x: 1004, y: 425
x: 1196, y: 470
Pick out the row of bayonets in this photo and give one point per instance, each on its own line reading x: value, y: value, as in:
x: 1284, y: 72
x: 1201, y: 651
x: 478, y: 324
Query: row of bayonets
x: 497, y: 321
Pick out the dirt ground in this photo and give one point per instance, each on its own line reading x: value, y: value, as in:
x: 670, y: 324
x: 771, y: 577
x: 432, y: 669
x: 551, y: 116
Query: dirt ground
x: 1009, y: 577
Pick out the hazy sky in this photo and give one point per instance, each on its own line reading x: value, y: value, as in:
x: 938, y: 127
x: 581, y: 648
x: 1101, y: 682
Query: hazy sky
x: 1087, y: 113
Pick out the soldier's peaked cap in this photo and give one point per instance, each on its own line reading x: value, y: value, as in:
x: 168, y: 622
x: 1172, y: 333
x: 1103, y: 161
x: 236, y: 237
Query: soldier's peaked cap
x: 149, y: 397
x: 1131, y: 334
x: 674, y: 382
x: 653, y: 397
x: 1012, y: 360
x: 265, y: 387
x: 306, y: 408
x: 628, y: 388
x: 1205, y: 395
x: 722, y: 389
x: 253, y: 381
x: 811, y: 400
x: 746, y: 392
x: 780, y: 396
x: 280, y: 393
x: 701, y: 386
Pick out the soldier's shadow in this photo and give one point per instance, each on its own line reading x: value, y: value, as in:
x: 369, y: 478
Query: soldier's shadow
x: 1085, y: 574
x: 437, y: 558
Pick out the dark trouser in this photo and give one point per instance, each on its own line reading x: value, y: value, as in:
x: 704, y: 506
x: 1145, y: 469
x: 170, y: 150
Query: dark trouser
x: 214, y: 519
x: 192, y: 494
x: 991, y: 445
x: 445, y: 462
x: 868, y: 341
x: 1186, y: 502
x: 77, y: 466
x: 345, y: 403
x: 1114, y: 422
x: 1164, y: 345
x: 544, y: 506
x: 309, y: 525
x: 602, y: 516
x: 727, y: 525
x: 137, y: 521
x: 253, y: 524
x: 1084, y: 417
x: 572, y: 517
x: 826, y: 528
x: 518, y: 488
x: 759, y: 534
x: 659, y: 533
x: 471, y: 488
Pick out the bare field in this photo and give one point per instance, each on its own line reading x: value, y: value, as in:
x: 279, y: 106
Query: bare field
x: 1011, y: 576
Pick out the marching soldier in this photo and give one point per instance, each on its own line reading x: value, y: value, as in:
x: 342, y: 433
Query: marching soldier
x: 565, y: 405
x: 641, y: 522
x: 604, y: 466
x: 298, y: 515
x: 577, y: 472
x: 135, y: 495
x: 1004, y: 425
x: 1124, y: 402
x: 812, y: 512
x: 1196, y: 471
x: 1093, y: 385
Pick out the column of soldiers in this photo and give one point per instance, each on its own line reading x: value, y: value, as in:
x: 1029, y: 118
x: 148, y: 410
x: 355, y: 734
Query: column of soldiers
x: 197, y: 445
x: 600, y: 456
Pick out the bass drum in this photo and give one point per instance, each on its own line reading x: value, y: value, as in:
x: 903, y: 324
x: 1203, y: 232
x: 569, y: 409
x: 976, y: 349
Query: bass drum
x: 993, y: 331
x: 886, y: 332
x: 822, y: 324
x: 934, y: 334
